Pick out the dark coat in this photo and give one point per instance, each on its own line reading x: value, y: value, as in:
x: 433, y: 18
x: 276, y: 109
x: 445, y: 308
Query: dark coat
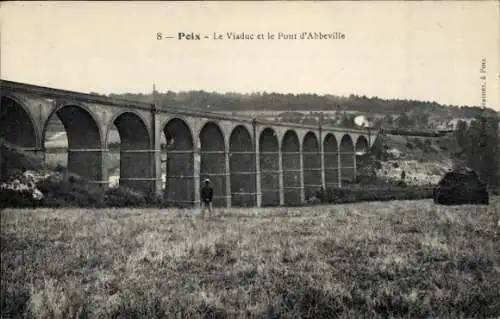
x: 207, y: 193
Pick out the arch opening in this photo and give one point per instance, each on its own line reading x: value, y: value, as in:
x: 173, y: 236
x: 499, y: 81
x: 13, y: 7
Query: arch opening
x: 16, y: 126
x: 130, y: 155
x: 290, y: 152
x: 179, y: 159
x: 330, y: 149
x: 242, y: 168
x: 312, y: 165
x: 72, y: 141
x: 18, y: 130
x: 362, y: 146
x: 213, y: 161
x: 269, y: 167
x: 347, y: 165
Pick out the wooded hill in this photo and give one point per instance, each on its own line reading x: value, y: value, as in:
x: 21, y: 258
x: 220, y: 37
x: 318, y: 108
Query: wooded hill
x: 299, y: 102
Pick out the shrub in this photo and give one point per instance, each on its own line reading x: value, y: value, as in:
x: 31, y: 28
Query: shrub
x: 377, y: 165
x: 72, y: 192
x: 17, y: 198
x: 401, y: 183
x: 418, y: 143
x: 15, y: 161
x: 121, y: 197
x: 55, y: 190
x: 60, y: 168
x: 381, y: 193
x: 20, y: 190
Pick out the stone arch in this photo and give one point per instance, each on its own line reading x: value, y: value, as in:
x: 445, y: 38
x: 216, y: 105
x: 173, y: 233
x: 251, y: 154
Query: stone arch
x: 68, y: 108
x: 347, y: 164
x: 135, y: 152
x: 330, y: 149
x: 179, y: 189
x: 17, y: 127
x: 362, y: 145
x: 213, y: 160
x: 139, y: 122
x: 312, y: 164
x: 242, y: 167
x: 290, y: 152
x: 269, y: 167
x: 84, y: 149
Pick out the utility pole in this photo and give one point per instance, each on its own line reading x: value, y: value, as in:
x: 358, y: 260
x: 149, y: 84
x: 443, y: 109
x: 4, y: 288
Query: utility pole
x: 154, y: 93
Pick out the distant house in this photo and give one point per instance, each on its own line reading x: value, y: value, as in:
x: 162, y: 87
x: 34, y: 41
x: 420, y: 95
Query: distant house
x: 454, y: 122
x: 451, y: 124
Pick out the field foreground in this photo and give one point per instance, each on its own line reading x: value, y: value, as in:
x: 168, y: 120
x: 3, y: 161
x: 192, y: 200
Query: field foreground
x: 378, y: 259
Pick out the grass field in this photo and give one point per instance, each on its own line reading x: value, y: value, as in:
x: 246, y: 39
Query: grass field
x: 392, y: 259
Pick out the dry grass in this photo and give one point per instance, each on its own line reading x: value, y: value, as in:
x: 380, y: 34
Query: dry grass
x: 400, y: 259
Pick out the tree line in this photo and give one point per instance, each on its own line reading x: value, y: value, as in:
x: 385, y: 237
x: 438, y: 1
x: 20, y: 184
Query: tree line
x: 338, y: 110
x: 211, y: 101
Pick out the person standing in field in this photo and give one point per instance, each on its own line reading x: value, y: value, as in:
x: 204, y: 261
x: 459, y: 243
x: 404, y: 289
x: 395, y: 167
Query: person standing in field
x: 207, y: 194
x: 321, y: 194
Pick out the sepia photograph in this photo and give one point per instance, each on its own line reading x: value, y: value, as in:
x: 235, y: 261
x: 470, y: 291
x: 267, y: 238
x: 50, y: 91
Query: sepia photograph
x: 250, y: 159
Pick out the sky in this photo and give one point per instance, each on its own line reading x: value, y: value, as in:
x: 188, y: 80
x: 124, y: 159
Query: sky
x: 432, y: 51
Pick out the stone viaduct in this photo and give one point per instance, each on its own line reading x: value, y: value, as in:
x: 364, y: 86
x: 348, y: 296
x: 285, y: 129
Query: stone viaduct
x: 250, y: 162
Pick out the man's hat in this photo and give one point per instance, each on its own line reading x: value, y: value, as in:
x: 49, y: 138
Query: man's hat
x: 207, y: 180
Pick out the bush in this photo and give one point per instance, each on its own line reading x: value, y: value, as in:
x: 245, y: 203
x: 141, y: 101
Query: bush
x: 15, y: 161
x: 393, y: 192
x: 121, y: 197
x: 418, y: 143
x: 416, y: 133
x: 55, y: 190
x: 495, y: 191
x: 20, y: 190
x: 14, y: 198
x: 60, y: 168
x: 77, y: 193
x: 73, y: 192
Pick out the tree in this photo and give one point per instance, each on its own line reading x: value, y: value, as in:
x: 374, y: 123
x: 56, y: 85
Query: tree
x: 422, y: 119
x: 483, y: 147
x: 490, y: 143
x: 472, y: 146
x: 347, y: 121
x: 388, y: 119
x: 403, y: 121
x: 461, y: 135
